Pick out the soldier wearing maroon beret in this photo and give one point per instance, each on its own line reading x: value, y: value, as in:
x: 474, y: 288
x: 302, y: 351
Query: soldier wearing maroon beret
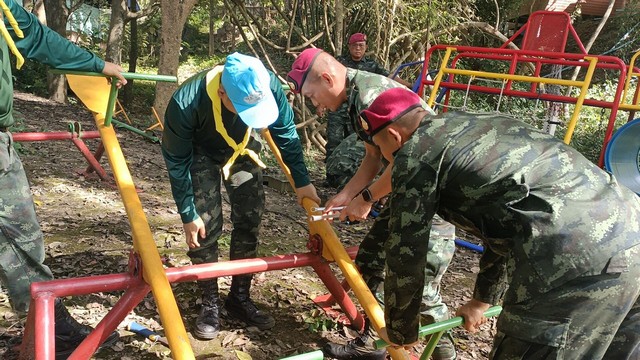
x: 561, y: 231
x: 329, y: 85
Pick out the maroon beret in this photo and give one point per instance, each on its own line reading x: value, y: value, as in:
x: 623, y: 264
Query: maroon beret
x: 300, y: 68
x: 388, y: 107
x: 357, y: 37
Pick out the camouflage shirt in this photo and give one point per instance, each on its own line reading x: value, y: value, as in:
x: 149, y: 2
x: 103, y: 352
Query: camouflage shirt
x: 532, y: 200
x: 365, y: 64
x: 364, y: 87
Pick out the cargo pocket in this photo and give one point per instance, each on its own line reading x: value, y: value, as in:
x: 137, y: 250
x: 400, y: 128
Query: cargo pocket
x: 523, y: 335
x: 7, y: 157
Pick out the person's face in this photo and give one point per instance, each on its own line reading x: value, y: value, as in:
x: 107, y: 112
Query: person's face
x: 323, y: 93
x: 357, y: 50
x: 226, y: 102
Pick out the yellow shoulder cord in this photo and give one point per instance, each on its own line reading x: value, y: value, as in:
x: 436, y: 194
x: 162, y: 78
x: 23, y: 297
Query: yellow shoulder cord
x: 7, y: 37
x: 213, y: 84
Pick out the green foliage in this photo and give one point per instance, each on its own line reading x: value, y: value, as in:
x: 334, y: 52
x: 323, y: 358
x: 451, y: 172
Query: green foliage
x: 317, y: 321
x: 31, y: 78
x: 589, y: 132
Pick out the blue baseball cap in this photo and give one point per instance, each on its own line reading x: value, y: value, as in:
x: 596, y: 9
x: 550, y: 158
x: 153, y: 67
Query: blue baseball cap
x: 246, y: 82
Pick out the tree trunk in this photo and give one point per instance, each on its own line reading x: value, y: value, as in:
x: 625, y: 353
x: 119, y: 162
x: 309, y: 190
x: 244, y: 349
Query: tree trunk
x: 339, y: 31
x: 133, y: 60
x: 57, y: 15
x: 116, y: 30
x: 174, y: 16
x: 39, y: 12
x: 212, y: 30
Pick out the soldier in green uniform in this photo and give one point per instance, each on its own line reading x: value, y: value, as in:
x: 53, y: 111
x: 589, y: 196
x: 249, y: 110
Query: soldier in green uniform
x: 561, y: 231
x: 338, y: 123
x: 320, y: 77
x: 21, y: 240
x: 343, y: 162
x: 208, y: 140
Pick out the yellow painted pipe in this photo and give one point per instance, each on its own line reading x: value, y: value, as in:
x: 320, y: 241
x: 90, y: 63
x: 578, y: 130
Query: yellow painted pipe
x: 143, y: 243
x: 438, y: 79
x: 629, y: 107
x: 593, y: 61
x: 536, y: 79
x: 331, y: 243
x: 627, y: 82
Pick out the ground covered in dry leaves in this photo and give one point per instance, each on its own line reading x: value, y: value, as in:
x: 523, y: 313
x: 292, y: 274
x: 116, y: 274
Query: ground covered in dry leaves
x: 87, y: 233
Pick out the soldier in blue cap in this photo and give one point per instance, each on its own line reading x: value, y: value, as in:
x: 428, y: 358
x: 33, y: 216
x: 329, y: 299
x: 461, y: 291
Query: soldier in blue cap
x: 208, y: 140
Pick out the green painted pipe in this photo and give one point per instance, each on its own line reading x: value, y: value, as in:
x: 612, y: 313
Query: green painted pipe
x: 113, y: 93
x: 126, y: 75
x: 314, y: 355
x: 442, y: 326
x: 135, y: 130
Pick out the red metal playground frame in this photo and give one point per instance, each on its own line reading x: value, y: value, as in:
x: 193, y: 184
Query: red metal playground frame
x: 38, y: 342
x: 545, y: 37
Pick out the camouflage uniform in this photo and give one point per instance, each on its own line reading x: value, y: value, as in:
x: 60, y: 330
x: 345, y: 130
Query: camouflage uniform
x: 362, y: 89
x: 344, y: 161
x: 338, y: 124
x: 21, y: 243
x: 560, y: 230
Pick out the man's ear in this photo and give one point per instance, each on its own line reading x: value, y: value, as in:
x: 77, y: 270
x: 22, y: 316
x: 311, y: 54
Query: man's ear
x: 394, y: 135
x: 221, y: 92
x: 326, y: 78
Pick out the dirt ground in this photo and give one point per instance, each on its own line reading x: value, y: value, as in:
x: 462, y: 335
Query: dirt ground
x: 87, y: 233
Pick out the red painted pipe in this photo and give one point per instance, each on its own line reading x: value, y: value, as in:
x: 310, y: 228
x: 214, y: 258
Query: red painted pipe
x: 44, y: 293
x: 245, y: 266
x: 129, y: 300
x: 57, y: 135
x: 93, y: 162
x: 45, y: 331
x: 96, y: 155
x: 339, y: 295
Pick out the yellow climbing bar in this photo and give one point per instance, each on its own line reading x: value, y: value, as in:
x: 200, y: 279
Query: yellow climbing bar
x: 153, y: 271
x: 331, y: 242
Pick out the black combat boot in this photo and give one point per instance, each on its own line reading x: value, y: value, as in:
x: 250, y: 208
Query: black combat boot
x: 70, y: 333
x: 208, y: 321
x: 240, y: 306
x: 360, y: 348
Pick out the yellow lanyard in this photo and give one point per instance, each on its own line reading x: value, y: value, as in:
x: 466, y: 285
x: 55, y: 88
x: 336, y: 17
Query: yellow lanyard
x: 213, y: 84
x: 5, y: 33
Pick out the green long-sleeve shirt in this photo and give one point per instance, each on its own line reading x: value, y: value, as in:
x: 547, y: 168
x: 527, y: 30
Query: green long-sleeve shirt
x: 43, y: 45
x: 189, y: 129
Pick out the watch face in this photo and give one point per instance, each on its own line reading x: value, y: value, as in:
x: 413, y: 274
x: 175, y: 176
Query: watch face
x: 366, y: 195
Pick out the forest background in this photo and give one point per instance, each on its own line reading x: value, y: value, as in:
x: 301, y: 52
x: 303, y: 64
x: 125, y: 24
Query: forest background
x: 183, y: 37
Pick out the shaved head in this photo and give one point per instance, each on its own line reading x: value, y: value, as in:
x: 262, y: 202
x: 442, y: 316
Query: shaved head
x: 326, y: 83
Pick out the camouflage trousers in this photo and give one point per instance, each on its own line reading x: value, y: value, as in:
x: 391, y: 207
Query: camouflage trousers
x: 343, y: 161
x: 371, y: 262
x: 246, y: 195
x: 21, y: 242
x: 595, y: 316
x: 338, y: 128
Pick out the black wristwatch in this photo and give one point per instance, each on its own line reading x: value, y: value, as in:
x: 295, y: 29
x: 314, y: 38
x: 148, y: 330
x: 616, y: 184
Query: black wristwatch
x: 366, y: 195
